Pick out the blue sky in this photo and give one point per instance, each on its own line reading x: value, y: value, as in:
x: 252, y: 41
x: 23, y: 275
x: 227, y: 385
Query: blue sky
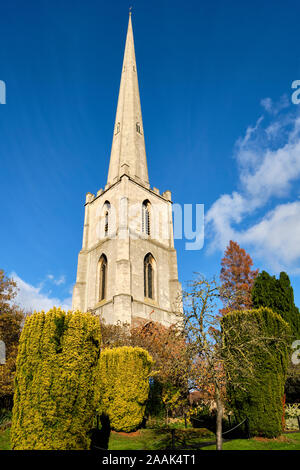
x: 215, y: 83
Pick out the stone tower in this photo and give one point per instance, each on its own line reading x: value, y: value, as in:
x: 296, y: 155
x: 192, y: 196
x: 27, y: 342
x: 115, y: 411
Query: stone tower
x: 127, y: 268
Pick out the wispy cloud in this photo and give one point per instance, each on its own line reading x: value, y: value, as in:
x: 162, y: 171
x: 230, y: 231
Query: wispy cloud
x: 275, y: 107
x: 58, y: 281
x: 32, y: 298
x: 268, y: 158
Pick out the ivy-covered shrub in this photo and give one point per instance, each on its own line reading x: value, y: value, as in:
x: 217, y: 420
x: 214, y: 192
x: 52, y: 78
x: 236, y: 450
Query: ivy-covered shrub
x: 259, y: 396
x: 123, y: 386
x: 54, y: 400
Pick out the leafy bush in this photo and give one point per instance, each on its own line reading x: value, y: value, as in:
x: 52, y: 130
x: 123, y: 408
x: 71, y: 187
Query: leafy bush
x: 5, y: 416
x: 11, y: 319
x: 292, y: 416
x: 179, y: 423
x: 259, y: 398
x: 292, y: 384
x: 292, y: 411
x: 191, y: 436
x: 54, y: 399
x: 123, y: 386
x: 183, y: 438
x: 155, y: 406
x: 155, y: 422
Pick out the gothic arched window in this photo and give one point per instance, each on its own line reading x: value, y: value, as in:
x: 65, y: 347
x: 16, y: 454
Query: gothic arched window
x: 146, y: 217
x: 102, y: 277
x: 106, y: 218
x: 149, y: 271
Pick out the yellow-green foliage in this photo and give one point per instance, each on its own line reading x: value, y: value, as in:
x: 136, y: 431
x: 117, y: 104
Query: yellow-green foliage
x: 124, y: 386
x: 54, y: 400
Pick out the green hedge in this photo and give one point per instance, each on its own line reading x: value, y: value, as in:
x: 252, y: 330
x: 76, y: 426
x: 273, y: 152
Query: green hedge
x: 123, y: 386
x: 54, y: 400
x: 260, y: 398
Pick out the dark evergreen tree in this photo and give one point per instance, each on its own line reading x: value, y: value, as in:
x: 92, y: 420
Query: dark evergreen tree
x: 278, y: 295
x: 292, y: 384
x: 260, y: 397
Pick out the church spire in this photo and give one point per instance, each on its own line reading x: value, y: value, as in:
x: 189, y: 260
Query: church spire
x: 128, y: 153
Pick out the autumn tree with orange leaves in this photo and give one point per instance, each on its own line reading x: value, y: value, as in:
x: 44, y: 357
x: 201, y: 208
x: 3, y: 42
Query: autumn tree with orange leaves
x: 224, y: 352
x: 173, y: 361
x: 11, y: 317
x: 237, y: 278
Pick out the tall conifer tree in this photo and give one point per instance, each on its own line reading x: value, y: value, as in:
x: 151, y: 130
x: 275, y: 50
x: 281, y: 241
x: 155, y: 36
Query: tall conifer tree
x: 237, y: 278
x: 278, y: 295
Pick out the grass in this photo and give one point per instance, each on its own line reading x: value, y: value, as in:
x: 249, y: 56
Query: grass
x: 152, y: 439
x: 284, y: 442
x: 148, y: 439
x: 145, y: 439
x: 4, y: 440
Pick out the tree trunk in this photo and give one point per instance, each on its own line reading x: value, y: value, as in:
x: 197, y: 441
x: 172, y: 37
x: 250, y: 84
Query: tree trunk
x: 219, y: 423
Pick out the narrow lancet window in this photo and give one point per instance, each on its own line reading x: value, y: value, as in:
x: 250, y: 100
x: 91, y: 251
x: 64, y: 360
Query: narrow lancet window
x: 146, y: 218
x: 102, y: 277
x: 106, y: 218
x: 149, y: 276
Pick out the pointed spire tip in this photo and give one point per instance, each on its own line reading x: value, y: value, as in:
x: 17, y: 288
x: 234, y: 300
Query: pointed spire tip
x: 128, y: 153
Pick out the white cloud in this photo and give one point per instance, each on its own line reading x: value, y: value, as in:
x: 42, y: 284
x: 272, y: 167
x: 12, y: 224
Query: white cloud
x: 32, y: 298
x: 228, y: 209
x: 274, y: 169
x: 275, y: 107
x: 269, y: 164
x: 267, y: 104
x: 57, y: 282
x: 276, y: 237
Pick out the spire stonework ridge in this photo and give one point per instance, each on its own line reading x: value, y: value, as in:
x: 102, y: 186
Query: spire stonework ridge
x: 128, y: 153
